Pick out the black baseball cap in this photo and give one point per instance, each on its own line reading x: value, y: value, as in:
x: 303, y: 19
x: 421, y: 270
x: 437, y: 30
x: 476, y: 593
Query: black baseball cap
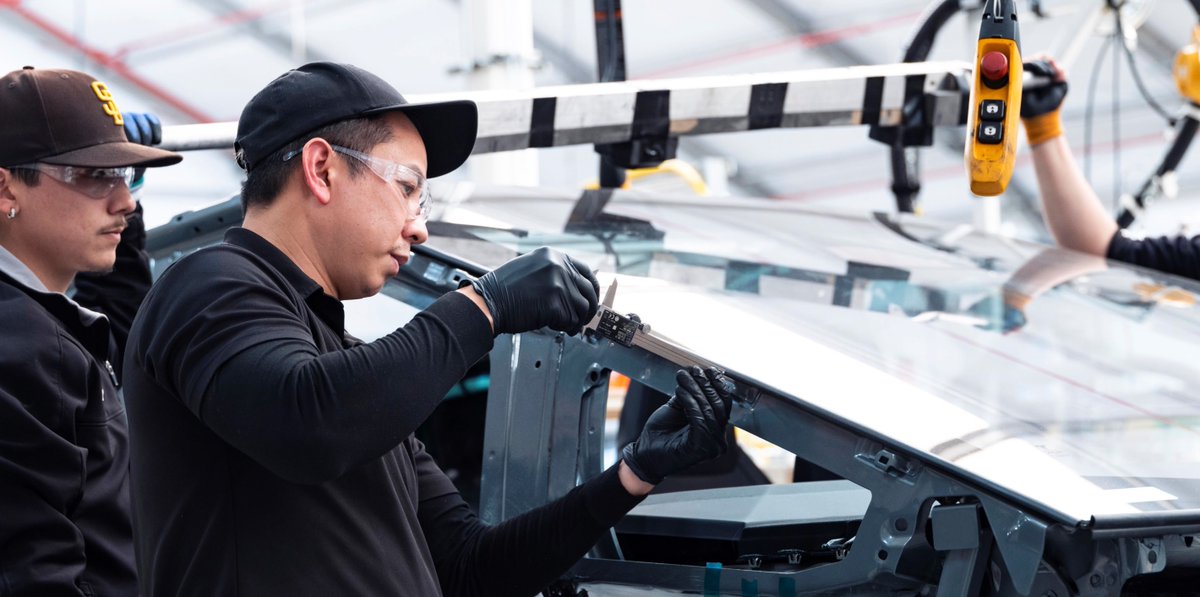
x: 320, y: 93
x: 66, y: 117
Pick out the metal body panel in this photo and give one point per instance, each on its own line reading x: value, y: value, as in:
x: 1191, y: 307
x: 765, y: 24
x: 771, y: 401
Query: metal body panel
x: 890, y: 544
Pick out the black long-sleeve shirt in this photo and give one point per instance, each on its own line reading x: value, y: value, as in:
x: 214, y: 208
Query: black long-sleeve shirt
x: 273, y: 454
x: 64, y: 449
x: 1177, y: 255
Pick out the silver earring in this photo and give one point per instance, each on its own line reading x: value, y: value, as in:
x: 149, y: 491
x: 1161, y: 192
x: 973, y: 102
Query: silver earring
x: 12, y: 213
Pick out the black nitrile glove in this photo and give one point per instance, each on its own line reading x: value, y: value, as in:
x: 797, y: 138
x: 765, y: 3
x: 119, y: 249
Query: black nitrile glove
x: 544, y: 288
x: 1037, y: 101
x: 143, y: 129
x: 687, y: 430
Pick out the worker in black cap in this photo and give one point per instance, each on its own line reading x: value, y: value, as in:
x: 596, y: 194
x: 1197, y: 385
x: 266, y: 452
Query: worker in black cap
x: 66, y: 208
x: 1073, y: 212
x: 274, y: 454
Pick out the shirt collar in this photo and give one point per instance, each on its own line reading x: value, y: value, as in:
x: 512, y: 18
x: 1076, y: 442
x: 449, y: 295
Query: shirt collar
x: 20, y: 273
x: 326, y: 307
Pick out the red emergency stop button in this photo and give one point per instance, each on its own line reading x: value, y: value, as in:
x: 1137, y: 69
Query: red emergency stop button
x: 994, y: 67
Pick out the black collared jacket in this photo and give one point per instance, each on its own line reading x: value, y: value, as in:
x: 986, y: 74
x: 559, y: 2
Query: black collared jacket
x: 64, y: 450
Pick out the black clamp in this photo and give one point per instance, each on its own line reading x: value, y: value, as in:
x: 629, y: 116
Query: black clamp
x: 650, y: 142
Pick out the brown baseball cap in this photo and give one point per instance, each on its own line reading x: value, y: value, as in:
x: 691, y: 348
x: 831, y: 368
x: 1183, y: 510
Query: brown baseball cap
x: 66, y: 117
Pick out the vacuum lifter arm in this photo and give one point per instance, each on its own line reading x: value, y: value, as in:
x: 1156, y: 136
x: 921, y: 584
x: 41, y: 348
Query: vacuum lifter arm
x: 620, y: 112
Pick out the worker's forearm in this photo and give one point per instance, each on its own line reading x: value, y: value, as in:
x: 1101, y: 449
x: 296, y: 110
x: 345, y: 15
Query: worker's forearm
x: 309, y: 418
x: 1073, y: 211
x: 631, y: 482
x: 525, y: 553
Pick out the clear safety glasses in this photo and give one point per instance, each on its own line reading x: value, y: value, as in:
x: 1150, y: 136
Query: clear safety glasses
x: 412, y: 185
x: 96, y: 183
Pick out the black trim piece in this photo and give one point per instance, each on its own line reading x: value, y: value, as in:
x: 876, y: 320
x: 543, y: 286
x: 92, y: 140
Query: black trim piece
x: 589, y: 206
x: 1183, y: 522
x: 541, y: 122
x: 843, y: 291
x: 453, y: 260
x: 1147, y: 531
x: 766, y: 105
x: 872, y: 101
x: 651, y: 115
x: 182, y: 232
x: 870, y: 271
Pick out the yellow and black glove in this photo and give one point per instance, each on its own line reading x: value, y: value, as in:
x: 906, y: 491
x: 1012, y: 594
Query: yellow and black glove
x: 1041, y: 105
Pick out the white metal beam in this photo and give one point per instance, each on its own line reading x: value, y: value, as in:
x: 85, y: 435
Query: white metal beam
x: 619, y: 112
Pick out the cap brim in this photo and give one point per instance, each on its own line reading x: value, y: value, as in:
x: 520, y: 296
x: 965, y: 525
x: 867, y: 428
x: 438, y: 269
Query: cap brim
x: 447, y: 128
x: 115, y: 155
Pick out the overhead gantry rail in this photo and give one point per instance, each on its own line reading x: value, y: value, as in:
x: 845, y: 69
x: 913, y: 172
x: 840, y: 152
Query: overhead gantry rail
x: 650, y: 115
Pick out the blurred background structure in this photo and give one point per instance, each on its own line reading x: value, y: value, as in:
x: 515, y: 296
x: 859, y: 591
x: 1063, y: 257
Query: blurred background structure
x: 200, y: 60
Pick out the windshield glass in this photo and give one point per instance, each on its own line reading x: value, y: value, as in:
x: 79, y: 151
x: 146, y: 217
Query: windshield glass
x: 1064, y: 378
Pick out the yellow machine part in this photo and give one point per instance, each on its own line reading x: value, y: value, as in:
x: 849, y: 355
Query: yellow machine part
x: 1187, y: 69
x: 679, y: 171
x: 990, y: 166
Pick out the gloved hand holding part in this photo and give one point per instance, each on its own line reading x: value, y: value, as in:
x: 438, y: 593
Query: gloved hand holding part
x: 1041, y: 105
x: 687, y: 430
x: 543, y: 288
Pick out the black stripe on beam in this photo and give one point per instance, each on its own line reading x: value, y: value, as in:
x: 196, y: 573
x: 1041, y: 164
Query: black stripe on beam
x: 766, y: 105
x: 651, y: 114
x: 914, y: 100
x: 541, y: 122
x: 872, y: 101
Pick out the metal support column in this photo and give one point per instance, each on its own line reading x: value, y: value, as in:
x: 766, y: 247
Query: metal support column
x: 498, y: 37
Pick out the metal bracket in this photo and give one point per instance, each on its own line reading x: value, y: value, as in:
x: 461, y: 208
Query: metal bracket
x: 929, y: 103
x: 1146, y: 555
x: 957, y: 529
x: 1020, y: 539
x: 889, y: 462
x: 1119, y: 560
x: 640, y: 153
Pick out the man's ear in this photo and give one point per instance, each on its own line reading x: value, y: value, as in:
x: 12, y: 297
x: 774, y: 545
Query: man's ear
x: 8, y: 199
x: 316, y: 161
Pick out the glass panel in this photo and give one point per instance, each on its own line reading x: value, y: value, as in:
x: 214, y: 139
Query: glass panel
x: 1064, y: 378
